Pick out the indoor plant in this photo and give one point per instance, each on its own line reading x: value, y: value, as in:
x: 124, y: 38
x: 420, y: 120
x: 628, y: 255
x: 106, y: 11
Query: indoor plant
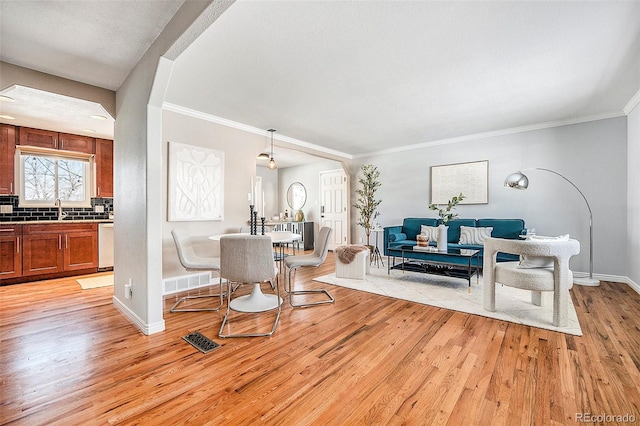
x: 446, y: 215
x: 367, y: 204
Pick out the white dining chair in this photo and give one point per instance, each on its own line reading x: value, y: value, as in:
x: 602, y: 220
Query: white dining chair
x: 192, y: 262
x: 315, y: 259
x: 248, y: 259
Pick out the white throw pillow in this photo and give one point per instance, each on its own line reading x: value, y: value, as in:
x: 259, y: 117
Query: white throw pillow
x: 530, y: 262
x: 430, y: 231
x: 473, y: 235
x: 564, y: 237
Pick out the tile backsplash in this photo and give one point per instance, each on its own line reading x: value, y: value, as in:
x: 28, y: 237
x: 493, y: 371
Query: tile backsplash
x: 21, y: 214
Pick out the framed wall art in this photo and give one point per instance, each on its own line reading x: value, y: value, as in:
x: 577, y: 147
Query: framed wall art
x: 472, y: 179
x: 196, y: 183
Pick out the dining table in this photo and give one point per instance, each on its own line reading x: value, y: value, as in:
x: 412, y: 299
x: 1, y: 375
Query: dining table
x: 257, y: 301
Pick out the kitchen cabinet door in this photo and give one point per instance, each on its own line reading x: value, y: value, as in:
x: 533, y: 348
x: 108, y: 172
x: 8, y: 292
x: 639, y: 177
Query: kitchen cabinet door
x: 10, y: 252
x: 7, y: 153
x: 42, y: 254
x: 80, y: 250
x: 104, y: 168
x: 39, y: 138
x: 76, y: 143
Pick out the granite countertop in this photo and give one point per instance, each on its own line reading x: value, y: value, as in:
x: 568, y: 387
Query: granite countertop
x: 46, y: 222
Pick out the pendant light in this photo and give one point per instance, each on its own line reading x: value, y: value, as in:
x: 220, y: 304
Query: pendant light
x: 272, y: 163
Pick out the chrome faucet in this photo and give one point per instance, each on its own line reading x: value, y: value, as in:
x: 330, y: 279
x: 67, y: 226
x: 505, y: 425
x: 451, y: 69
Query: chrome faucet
x: 61, y: 214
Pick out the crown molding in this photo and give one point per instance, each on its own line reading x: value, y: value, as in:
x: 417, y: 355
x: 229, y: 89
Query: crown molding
x: 633, y: 102
x: 491, y: 134
x: 250, y: 129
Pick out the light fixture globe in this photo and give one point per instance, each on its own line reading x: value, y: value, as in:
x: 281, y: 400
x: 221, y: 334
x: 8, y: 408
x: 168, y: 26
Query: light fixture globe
x: 272, y: 164
x: 517, y: 180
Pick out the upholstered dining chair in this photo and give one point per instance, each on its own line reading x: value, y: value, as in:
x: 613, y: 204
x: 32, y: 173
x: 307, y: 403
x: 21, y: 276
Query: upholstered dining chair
x: 315, y: 259
x: 192, y: 262
x: 557, y: 277
x: 248, y: 259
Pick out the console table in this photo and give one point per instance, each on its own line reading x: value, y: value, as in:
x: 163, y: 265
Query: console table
x: 304, y: 229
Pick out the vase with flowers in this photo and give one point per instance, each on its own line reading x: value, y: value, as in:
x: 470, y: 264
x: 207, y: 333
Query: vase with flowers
x: 446, y: 214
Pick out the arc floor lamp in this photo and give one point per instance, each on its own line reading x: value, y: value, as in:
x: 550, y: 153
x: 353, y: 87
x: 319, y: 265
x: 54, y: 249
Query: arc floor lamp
x: 519, y: 180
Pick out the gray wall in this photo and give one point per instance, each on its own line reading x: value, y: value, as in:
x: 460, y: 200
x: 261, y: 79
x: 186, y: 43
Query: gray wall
x: 309, y: 176
x: 633, y: 197
x: 593, y: 155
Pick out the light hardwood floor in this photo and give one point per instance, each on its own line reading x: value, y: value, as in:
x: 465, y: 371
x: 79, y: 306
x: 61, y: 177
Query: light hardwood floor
x: 68, y: 357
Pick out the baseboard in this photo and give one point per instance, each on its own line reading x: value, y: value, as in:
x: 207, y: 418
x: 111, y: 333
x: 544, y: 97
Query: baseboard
x: 610, y: 278
x: 145, y: 328
x: 633, y: 285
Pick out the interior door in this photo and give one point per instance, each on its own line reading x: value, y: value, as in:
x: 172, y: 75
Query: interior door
x: 334, y: 204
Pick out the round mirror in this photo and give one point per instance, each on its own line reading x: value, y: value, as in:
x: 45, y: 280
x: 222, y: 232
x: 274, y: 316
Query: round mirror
x: 296, y: 196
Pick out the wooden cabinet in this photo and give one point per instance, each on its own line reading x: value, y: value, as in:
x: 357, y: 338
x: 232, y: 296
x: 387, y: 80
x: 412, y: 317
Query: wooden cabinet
x: 54, y: 140
x: 76, y: 143
x: 39, y: 138
x: 104, y: 168
x: 81, y: 249
x: 10, y: 251
x: 7, y: 153
x: 54, y: 248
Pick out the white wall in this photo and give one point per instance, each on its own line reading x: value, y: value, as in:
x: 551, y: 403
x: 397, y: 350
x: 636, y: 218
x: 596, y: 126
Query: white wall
x: 241, y: 149
x: 270, y: 188
x: 633, y: 197
x: 138, y: 168
x: 593, y: 155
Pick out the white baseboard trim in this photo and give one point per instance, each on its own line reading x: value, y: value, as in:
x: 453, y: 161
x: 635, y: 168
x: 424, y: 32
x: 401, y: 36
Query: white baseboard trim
x: 633, y: 285
x: 145, y: 328
x: 612, y: 278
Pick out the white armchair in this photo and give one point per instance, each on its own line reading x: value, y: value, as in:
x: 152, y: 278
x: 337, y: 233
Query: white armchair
x: 558, y: 279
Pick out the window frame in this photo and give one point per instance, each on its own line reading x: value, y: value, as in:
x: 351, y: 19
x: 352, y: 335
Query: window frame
x: 89, y: 169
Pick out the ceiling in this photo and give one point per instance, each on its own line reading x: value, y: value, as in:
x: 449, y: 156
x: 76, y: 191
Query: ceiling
x: 356, y: 77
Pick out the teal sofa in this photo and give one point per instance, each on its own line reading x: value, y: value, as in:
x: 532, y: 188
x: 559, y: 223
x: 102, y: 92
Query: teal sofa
x: 405, y: 235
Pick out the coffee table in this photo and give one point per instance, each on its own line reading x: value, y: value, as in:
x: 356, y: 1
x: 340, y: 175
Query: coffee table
x: 457, y: 263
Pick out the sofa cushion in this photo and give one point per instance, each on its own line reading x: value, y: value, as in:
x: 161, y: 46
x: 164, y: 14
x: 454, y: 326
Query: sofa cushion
x: 453, y: 233
x: 397, y: 236
x: 430, y: 232
x: 411, y: 225
x: 472, y: 235
x: 503, y: 228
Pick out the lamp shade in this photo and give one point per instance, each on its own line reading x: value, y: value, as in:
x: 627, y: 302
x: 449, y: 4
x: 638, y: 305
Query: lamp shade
x: 517, y: 180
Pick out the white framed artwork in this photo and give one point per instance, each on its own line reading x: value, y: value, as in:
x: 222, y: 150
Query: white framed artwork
x: 196, y: 183
x: 470, y: 179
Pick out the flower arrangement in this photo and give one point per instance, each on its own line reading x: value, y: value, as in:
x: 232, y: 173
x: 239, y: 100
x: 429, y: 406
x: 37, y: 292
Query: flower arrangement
x: 445, y: 213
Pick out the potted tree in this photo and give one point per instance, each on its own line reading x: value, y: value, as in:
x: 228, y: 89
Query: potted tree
x: 366, y: 203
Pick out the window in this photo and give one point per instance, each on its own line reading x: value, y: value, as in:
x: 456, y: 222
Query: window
x: 46, y: 177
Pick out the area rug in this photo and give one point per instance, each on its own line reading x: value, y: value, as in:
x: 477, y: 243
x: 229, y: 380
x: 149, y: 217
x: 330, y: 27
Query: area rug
x: 512, y: 304
x: 95, y: 282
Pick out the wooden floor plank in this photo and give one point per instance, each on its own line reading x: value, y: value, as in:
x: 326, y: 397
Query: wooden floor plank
x: 69, y: 357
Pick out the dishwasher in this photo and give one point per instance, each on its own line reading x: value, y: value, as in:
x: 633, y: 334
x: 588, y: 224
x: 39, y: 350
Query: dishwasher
x: 105, y: 246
